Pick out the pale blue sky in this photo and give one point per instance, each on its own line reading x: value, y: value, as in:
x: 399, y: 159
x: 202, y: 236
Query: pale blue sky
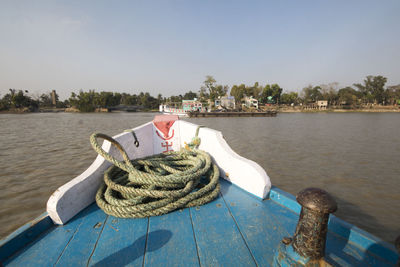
x: 169, y: 47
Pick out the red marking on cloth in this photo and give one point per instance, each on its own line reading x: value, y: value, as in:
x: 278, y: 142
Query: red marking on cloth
x: 166, y: 145
x: 166, y: 138
x: 164, y: 122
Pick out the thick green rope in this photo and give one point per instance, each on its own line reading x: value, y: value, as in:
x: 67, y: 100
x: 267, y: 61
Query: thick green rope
x: 157, y: 184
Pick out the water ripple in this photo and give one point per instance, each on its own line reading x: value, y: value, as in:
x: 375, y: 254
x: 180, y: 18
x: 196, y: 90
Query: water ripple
x: 353, y: 156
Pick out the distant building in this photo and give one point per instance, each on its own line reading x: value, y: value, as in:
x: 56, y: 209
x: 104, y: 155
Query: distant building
x: 227, y: 102
x: 322, y: 104
x: 192, y: 105
x: 250, y: 102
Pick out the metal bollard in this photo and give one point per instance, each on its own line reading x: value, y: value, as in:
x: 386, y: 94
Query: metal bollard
x: 310, y: 235
x: 307, y: 247
x: 397, y: 245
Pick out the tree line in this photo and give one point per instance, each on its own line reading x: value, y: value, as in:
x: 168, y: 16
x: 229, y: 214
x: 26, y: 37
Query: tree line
x: 91, y: 100
x: 87, y: 101
x: 19, y: 99
x: 371, y: 91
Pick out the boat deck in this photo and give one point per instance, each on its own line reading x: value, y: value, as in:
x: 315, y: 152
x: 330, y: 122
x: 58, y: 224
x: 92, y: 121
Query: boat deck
x: 236, y: 229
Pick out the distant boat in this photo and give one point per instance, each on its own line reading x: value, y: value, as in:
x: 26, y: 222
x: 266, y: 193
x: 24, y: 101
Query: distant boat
x: 165, y: 109
x: 250, y: 223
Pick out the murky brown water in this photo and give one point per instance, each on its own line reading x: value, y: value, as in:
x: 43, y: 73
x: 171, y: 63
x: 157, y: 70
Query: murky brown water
x: 354, y: 156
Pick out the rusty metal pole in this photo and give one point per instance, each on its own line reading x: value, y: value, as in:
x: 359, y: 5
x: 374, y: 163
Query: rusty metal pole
x: 310, y: 235
x: 307, y: 247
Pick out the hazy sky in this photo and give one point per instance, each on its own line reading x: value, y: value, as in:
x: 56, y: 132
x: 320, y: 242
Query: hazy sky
x: 169, y: 47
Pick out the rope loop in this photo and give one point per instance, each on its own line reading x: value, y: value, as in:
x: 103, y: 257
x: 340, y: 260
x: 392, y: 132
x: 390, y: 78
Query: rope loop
x: 157, y: 184
x: 126, y: 165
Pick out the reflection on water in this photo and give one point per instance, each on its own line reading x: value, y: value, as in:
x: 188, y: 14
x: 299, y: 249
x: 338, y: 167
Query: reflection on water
x: 354, y: 156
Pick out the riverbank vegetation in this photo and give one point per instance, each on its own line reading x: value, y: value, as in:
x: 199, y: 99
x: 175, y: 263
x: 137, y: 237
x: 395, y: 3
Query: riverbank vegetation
x: 20, y: 101
x: 372, y: 91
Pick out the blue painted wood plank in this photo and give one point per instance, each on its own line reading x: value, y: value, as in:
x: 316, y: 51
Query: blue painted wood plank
x: 218, y: 239
x: 121, y: 243
x: 341, y: 253
x: 81, y: 246
x: 24, y: 235
x: 47, y: 248
x: 365, y: 241
x: 285, y: 199
x: 171, y: 241
x: 262, y: 223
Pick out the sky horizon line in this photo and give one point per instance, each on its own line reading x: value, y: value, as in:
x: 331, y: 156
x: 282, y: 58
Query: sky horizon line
x: 37, y: 93
x: 169, y: 47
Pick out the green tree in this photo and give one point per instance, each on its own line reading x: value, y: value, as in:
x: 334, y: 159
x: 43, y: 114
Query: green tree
x: 84, y: 102
x: 392, y: 94
x: 147, y: 101
x: 107, y: 99
x: 159, y: 99
x: 5, y: 102
x: 289, y: 98
x: 273, y: 90
x: 373, y: 89
x: 207, y: 88
x: 203, y: 94
x: 348, y: 96
x: 116, y: 99
x: 254, y: 90
x: 45, y: 100
x: 214, y: 90
x: 311, y: 94
x: 329, y: 92
x: 127, y: 99
x: 221, y: 90
x: 100, y: 99
x: 189, y: 95
x: 267, y: 91
x: 238, y: 93
x: 175, y: 99
x: 19, y: 99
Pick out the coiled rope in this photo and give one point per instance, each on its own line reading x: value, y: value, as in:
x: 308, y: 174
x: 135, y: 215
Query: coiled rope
x: 157, y: 184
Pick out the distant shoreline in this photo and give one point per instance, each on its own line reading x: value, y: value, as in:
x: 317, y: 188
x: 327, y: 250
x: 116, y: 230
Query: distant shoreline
x: 27, y: 111
x: 64, y: 110
x: 280, y: 110
x: 372, y: 110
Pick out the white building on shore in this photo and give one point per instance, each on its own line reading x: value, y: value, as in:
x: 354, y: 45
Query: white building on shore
x: 250, y: 102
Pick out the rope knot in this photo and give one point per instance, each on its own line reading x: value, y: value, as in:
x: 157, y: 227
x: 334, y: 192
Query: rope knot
x: 194, y: 144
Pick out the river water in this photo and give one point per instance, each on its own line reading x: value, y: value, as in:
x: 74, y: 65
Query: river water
x: 354, y: 156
